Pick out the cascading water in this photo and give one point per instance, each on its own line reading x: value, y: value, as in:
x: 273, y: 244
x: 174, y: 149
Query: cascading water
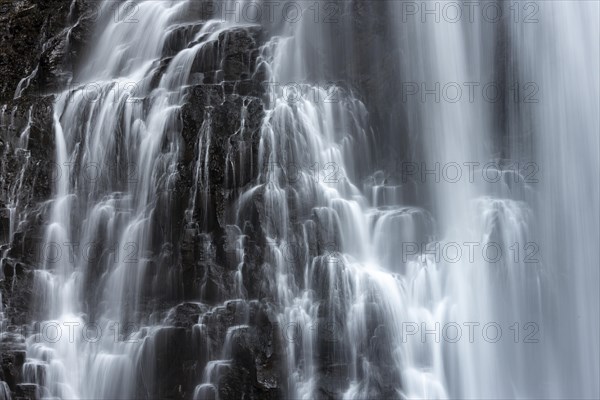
x: 130, y: 139
x: 357, y: 262
x: 565, y: 134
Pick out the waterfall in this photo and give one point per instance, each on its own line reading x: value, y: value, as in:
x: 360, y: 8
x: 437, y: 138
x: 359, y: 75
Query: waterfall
x: 467, y: 269
x: 565, y: 134
x: 121, y: 131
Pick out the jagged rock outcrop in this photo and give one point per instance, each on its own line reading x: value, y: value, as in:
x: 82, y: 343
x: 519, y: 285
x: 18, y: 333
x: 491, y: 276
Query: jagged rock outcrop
x: 230, y: 114
x: 247, y: 331
x: 40, y: 40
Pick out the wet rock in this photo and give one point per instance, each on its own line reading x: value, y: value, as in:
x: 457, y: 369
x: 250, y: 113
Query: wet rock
x: 257, y: 279
x: 242, y: 378
x: 328, y: 234
x: 207, y: 59
x: 28, y: 171
x: 332, y: 380
x: 185, y: 315
x: 4, y: 225
x: 202, y: 278
x: 239, y: 52
x: 249, y: 87
x: 383, y: 373
x: 17, y: 289
x: 207, y: 392
x: 12, y: 358
x: 166, y: 353
x: 180, y: 38
x: 81, y: 33
x: 52, y: 72
x: 36, y: 372
x: 208, y: 102
x: 26, y: 182
x: 27, y: 391
x: 30, y: 28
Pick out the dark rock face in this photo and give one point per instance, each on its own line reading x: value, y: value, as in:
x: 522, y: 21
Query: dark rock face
x: 17, y: 288
x: 218, y: 110
x: 28, y: 171
x: 255, y: 349
x: 245, y: 331
x: 230, y: 113
x: 12, y: 358
x: 34, y: 42
x: 27, y: 145
x: 33, y: 34
x: 35, y: 58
